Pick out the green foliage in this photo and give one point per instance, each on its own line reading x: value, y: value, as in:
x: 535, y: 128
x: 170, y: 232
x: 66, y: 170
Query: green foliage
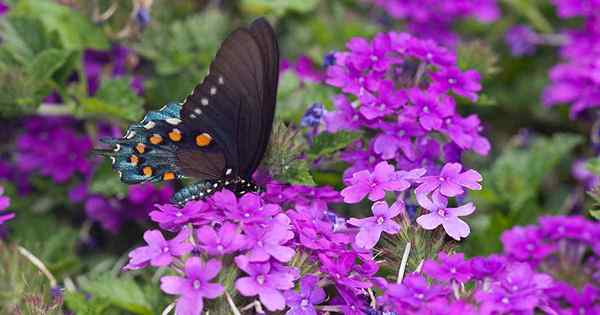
x: 326, y: 144
x: 114, y: 99
x: 283, y: 156
x: 23, y: 288
x: 105, y: 182
x: 75, y: 31
x: 295, y: 96
x: 278, y: 8
x: 479, y: 56
x: 123, y: 293
x: 513, y: 189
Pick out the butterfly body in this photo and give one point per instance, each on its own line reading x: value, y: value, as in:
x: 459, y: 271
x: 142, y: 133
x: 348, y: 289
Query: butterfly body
x: 220, y: 133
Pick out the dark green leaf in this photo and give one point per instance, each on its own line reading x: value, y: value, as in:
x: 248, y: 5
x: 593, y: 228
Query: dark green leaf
x: 120, y: 292
x: 106, y: 182
x: 114, y: 99
x: 46, y: 63
x: 327, y: 143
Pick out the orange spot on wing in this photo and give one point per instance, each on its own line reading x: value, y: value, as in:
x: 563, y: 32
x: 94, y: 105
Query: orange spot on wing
x: 168, y: 176
x: 141, y: 148
x: 175, y: 135
x: 155, y: 139
x: 134, y: 160
x: 203, y: 139
x: 147, y: 170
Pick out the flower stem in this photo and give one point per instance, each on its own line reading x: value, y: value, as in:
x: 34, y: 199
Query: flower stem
x: 39, y: 264
x: 234, y: 308
x: 403, y: 263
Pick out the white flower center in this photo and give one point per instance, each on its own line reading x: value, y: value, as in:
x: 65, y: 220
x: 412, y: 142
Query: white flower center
x: 196, y: 284
x: 304, y: 303
x: 505, y: 300
x: 441, y: 212
x: 380, y: 220
x: 260, y: 279
x: 178, y: 214
x: 452, y: 80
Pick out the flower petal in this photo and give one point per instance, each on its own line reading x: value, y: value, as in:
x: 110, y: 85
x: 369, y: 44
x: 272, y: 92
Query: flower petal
x: 429, y: 221
x: 272, y: 299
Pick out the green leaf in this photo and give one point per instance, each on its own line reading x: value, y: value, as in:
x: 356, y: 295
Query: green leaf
x: 278, y: 7
x: 46, y: 63
x: 298, y: 172
x: 595, y: 214
x: 114, y: 99
x: 105, y: 182
x: 78, y: 303
x: 327, y: 143
x: 121, y: 292
x: 74, y: 30
x: 593, y: 165
x: 478, y: 56
x: 530, y: 10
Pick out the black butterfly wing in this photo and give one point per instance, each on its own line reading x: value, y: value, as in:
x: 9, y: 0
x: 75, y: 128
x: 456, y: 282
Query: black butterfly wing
x: 235, y: 104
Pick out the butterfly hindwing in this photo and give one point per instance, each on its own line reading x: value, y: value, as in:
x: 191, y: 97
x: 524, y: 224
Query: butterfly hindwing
x: 236, y: 101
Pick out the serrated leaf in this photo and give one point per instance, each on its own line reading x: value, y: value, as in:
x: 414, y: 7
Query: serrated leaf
x: 46, y: 63
x: 23, y: 37
x: 297, y: 172
x: 114, y: 99
x: 120, y: 292
x: 327, y: 143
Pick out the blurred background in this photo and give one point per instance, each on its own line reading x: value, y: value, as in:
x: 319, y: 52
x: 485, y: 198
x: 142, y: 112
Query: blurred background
x: 72, y: 72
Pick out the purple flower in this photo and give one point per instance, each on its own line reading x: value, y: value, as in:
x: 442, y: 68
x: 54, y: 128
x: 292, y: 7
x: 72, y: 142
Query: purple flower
x: 194, y: 286
x: 518, y: 291
x: 3, y: 8
x: 266, y: 282
x: 267, y: 242
x: 373, y: 184
x: 464, y: 84
x: 447, y: 217
x: 313, y: 115
x: 381, y: 221
x: 525, y: 243
x: 171, y: 217
x: 4, y: 204
x: 159, y: 252
x: 450, y: 181
x: 448, y: 268
x: 342, y: 271
x: 226, y: 240
x: 303, y: 302
x: 490, y: 266
x: 248, y: 209
x: 522, y: 40
x: 412, y: 293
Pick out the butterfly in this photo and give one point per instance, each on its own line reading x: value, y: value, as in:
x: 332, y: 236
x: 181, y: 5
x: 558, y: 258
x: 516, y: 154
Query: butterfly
x: 220, y: 133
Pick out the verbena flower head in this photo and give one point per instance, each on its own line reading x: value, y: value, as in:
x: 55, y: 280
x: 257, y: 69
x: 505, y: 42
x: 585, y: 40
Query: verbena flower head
x: 451, y: 181
x: 441, y: 214
x: 374, y: 184
x: 381, y: 221
x: 304, y: 301
x: 194, y: 286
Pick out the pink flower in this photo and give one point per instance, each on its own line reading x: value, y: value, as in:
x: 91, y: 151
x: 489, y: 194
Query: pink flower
x: 226, y: 240
x: 381, y: 221
x: 159, y: 252
x: 4, y: 203
x: 447, y: 217
x: 375, y: 184
x: 450, y: 181
x: 265, y: 281
x: 194, y: 286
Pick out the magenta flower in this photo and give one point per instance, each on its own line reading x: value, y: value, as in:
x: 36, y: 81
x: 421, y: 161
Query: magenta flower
x: 170, y: 216
x: 226, y: 240
x: 448, y: 267
x: 465, y: 84
x: 374, y: 184
x: 526, y: 243
x: 4, y: 204
x: 267, y: 242
x: 248, y: 209
x: 450, y: 181
x: 159, y: 252
x: 447, y: 217
x: 194, y: 286
x: 303, y: 302
x: 381, y: 221
x: 414, y: 292
x: 266, y: 282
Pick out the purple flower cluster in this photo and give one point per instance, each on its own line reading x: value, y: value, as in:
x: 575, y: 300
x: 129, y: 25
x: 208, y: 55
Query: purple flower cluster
x: 550, y: 268
x: 403, y: 89
x: 116, y: 62
x: 4, y: 204
x: 304, y: 68
x: 433, y: 19
x: 575, y: 80
x: 51, y: 146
